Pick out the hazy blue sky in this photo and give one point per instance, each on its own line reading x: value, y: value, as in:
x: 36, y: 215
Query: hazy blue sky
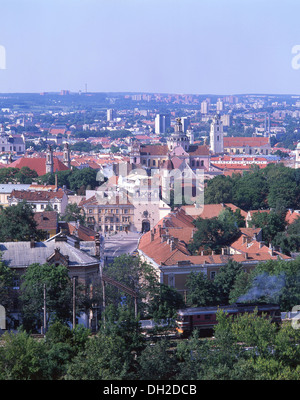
x: 174, y: 46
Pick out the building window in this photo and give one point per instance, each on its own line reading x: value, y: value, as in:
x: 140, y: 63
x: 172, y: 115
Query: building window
x: 212, y: 275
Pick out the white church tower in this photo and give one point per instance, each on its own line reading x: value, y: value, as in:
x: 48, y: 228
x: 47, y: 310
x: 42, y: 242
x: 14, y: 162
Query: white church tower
x: 217, y: 135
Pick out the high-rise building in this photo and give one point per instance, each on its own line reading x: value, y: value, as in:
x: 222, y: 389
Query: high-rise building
x: 226, y: 119
x: 110, y: 114
x: 162, y: 123
x: 219, y: 105
x: 204, y: 107
x: 185, y: 121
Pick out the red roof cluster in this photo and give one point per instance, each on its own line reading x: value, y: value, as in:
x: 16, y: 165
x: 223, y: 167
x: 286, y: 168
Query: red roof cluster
x: 37, y: 164
x: 166, y: 243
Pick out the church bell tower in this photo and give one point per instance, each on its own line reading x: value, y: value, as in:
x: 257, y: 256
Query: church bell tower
x: 217, y: 135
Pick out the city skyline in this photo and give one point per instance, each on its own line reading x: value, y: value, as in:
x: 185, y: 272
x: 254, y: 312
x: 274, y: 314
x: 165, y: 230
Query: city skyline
x: 172, y: 46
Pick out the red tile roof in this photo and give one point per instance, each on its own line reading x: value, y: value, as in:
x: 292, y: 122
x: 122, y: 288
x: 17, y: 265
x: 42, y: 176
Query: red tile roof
x: 37, y: 164
x: 154, y: 149
x: 46, y: 220
x: 291, y: 216
x: 245, y: 141
x: 196, y: 150
x: 166, y: 244
x: 42, y: 195
x: 210, y: 210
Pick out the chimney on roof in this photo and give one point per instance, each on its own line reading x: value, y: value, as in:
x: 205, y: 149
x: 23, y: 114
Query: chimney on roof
x: 97, y: 245
x: 172, y: 244
x: 271, y: 250
x: 163, y: 238
x: 246, y: 256
x: 159, y: 230
x: 77, y: 244
x: 61, y: 238
x: 32, y: 243
x: 151, y: 236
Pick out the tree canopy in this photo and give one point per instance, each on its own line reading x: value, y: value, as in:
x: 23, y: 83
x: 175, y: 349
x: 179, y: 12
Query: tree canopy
x: 17, y: 223
x: 270, y: 187
x: 215, y: 233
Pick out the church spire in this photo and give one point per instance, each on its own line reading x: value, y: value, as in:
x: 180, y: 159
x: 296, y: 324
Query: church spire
x: 49, y: 160
x: 67, y: 159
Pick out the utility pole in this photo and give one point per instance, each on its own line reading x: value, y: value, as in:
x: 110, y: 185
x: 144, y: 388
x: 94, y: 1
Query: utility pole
x: 74, y: 302
x: 45, y: 312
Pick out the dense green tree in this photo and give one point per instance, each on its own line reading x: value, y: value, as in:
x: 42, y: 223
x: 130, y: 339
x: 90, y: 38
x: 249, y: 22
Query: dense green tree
x: 58, y: 294
x: 270, y: 187
x: 18, y: 223
x: 240, y: 286
x: 271, y: 224
x: 201, y: 290
x: 7, y: 276
x: 21, y: 357
x: 135, y: 274
x: 82, y: 179
x: 156, y: 362
x: 112, y: 353
x: 219, y: 190
x: 73, y: 213
x: 214, y: 233
x: 250, y: 190
x: 15, y: 175
x: 294, y: 227
x: 165, y: 302
x: 225, y: 280
x: 275, y: 281
x: 62, y: 344
x: 85, y: 147
x: 62, y: 178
